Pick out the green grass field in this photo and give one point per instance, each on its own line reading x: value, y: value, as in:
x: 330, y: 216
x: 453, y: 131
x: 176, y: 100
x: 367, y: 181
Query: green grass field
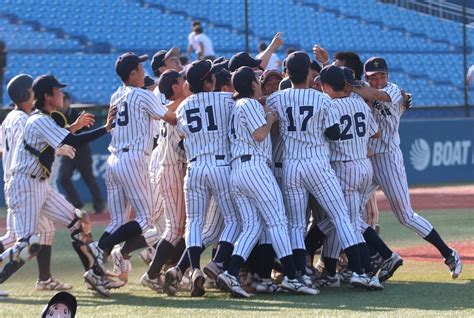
x: 417, y: 289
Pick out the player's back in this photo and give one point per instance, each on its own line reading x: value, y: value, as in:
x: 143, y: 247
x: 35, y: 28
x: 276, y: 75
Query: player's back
x: 133, y: 128
x: 304, y: 115
x: 203, y: 119
x: 12, y: 135
x: 387, y: 116
x: 356, y: 124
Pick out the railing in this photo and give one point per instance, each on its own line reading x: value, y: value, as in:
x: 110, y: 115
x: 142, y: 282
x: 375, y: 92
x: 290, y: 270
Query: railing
x: 438, y: 8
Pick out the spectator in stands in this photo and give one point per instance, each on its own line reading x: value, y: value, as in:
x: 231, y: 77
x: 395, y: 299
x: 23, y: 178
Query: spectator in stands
x: 274, y: 63
x: 205, y: 48
x: 192, y: 45
x: 81, y: 162
x: 470, y: 75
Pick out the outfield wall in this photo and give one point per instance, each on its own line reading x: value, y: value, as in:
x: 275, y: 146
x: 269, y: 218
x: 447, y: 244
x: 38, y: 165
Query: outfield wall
x: 436, y: 152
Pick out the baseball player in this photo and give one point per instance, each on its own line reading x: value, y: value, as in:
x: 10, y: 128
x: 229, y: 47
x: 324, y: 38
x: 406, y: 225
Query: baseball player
x: 254, y: 188
x: 162, y: 60
x: 306, y: 119
x: 172, y: 162
x: 127, y: 177
x: 203, y: 120
x: 30, y: 195
x: 389, y: 169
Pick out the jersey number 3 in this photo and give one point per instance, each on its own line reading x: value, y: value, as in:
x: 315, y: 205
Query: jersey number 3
x: 195, y: 121
x: 360, y: 126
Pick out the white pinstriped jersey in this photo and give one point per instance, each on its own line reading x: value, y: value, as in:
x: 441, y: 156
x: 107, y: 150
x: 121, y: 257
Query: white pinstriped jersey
x: 387, y: 116
x: 248, y: 115
x: 164, y: 101
x: 203, y: 119
x: 168, y: 143
x: 134, y: 119
x: 12, y: 132
x: 304, y: 116
x: 357, y: 125
x: 40, y: 131
x: 277, y: 144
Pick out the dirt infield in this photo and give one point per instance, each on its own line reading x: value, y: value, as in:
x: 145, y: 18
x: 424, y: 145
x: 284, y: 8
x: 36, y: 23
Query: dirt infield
x: 428, y: 253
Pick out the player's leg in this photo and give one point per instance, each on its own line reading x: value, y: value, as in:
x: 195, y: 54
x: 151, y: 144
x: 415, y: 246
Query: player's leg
x: 25, y: 207
x: 8, y: 239
x: 66, y: 170
x: 390, y: 174
x: 84, y: 166
x: 220, y: 185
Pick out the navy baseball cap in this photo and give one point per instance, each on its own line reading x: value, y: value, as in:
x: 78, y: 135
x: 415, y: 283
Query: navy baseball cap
x: 127, y: 62
x: 269, y: 73
x: 160, y: 57
x: 298, y: 62
x: 332, y: 75
x: 18, y: 87
x: 350, y: 77
x: 198, y: 70
x: 242, y: 77
x: 44, y: 83
x: 61, y: 298
x: 243, y: 59
x: 375, y: 65
x: 166, y: 81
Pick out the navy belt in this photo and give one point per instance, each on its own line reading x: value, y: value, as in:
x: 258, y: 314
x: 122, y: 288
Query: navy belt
x: 218, y: 157
x: 245, y: 158
x: 125, y: 149
x: 278, y: 165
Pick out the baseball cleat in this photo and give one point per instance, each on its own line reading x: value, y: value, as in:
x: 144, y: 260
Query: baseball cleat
x: 296, y: 286
x: 376, y: 260
x: 328, y: 281
x: 389, y: 266
x: 96, y: 282
x: 345, y: 276
x: 365, y: 281
x: 122, y: 265
x: 147, y: 255
x: 197, y: 283
x: 304, y: 279
x: 454, y: 263
x: 153, y: 284
x: 109, y: 284
x: 267, y: 286
x: 98, y: 255
x: 172, y: 278
x: 52, y: 284
x: 231, y: 284
x: 210, y: 283
x: 213, y: 269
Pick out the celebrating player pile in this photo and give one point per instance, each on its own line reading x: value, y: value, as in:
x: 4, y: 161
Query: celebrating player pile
x: 264, y: 176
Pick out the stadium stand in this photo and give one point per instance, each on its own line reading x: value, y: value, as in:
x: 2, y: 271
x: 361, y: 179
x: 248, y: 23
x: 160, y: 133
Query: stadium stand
x: 79, y: 41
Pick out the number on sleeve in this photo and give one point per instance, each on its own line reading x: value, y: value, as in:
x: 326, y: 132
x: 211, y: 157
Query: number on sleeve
x: 123, y: 114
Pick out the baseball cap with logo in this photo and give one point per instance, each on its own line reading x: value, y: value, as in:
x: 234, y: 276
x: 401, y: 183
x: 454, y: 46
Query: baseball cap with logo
x: 242, y: 78
x: 127, y: 62
x: 198, y: 71
x: 44, y: 83
x: 243, y: 59
x: 160, y: 57
x: 333, y: 76
x: 298, y: 62
x: 166, y: 81
x: 375, y: 65
x: 350, y: 77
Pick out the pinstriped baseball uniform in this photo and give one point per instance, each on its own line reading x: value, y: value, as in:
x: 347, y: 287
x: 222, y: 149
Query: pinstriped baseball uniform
x: 304, y: 116
x: 254, y: 188
x: 203, y: 120
x: 348, y: 155
x: 12, y: 132
x: 387, y: 162
x: 127, y: 177
x: 30, y: 195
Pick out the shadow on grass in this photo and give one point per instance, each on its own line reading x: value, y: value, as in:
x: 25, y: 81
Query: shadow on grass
x: 397, y: 295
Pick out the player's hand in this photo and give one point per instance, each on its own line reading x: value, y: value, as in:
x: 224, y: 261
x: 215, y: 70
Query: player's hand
x: 320, y: 54
x: 85, y: 120
x: 66, y: 151
x: 272, y: 117
x: 407, y: 99
x: 277, y: 41
x: 110, y: 117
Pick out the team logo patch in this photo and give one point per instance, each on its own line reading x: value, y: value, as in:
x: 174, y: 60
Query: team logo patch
x: 420, y: 154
